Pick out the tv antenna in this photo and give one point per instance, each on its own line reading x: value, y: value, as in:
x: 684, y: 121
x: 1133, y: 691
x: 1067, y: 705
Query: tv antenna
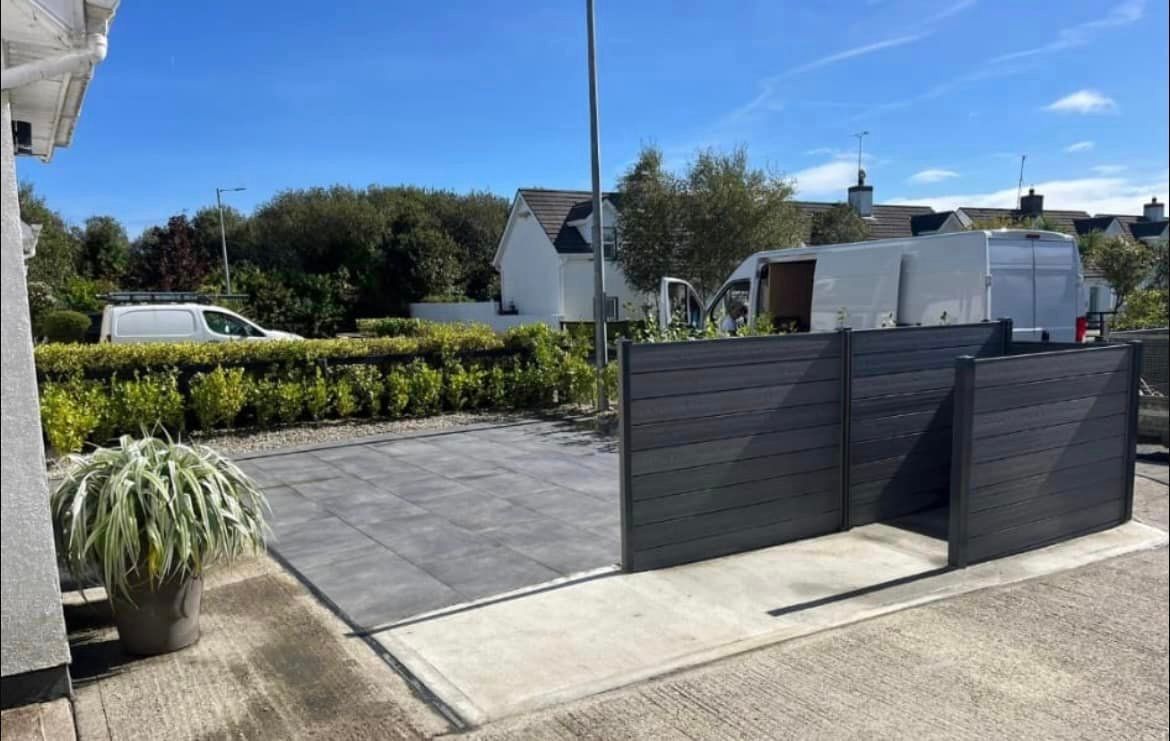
x: 1020, y: 184
x: 860, y: 135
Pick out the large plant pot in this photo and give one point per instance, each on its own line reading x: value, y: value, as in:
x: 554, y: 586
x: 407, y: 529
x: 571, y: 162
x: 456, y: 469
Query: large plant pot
x: 160, y: 620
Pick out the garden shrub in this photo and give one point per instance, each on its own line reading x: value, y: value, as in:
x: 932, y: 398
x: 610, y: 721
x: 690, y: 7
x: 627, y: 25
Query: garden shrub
x: 578, y: 381
x: 218, y: 397
x: 494, y: 388
x: 1144, y: 309
x: 316, y: 395
x: 458, y: 387
x: 368, y: 386
x: 398, y: 389
x: 70, y: 413
x: 275, y: 400
x: 63, y: 325
x: 146, y: 401
x: 425, y: 386
x: 345, y: 400
x: 391, y: 326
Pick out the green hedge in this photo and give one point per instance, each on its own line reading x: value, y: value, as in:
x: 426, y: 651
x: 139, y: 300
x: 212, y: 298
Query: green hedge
x: 398, y: 326
x: 535, y: 367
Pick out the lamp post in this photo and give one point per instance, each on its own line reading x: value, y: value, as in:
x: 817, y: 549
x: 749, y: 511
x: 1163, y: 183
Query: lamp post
x: 601, y: 351
x: 227, y: 271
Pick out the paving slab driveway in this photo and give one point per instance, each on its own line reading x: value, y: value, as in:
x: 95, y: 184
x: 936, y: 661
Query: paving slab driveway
x: 387, y: 530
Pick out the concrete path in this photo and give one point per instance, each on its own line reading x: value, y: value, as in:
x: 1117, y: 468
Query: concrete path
x: 386, y: 530
x: 523, y: 654
x: 1079, y: 654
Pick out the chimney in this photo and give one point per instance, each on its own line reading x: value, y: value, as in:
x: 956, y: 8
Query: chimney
x: 1031, y: 205
x: 861, y: 196
x: 1154, y: 211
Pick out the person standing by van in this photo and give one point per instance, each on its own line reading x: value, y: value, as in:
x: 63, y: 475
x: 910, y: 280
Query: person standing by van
x: 734, y: 319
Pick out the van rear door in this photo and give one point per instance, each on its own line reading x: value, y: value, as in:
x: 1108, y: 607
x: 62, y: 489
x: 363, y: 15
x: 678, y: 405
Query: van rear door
x: 856, y: 287
x: 1036, y: 282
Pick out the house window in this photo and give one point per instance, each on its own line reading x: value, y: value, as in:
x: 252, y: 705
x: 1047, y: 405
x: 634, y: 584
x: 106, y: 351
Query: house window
x: 609, y: 242
x: 611, y: 308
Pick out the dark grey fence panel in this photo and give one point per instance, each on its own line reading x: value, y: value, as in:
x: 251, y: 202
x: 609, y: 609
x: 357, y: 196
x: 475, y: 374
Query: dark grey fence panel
x: 900, y: 422
x: 729, y: 445
x: 1044, y: 448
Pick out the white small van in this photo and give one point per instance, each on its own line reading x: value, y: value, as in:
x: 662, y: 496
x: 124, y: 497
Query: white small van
x: 1033, y: 278
x: 181, y: 323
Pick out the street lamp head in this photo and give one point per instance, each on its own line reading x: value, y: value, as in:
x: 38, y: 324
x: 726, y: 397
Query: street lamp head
x: 230, y: 190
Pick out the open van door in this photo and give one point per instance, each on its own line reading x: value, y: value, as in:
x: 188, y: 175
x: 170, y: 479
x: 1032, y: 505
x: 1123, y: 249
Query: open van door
x: 678, y: 301
x: 856, y: 288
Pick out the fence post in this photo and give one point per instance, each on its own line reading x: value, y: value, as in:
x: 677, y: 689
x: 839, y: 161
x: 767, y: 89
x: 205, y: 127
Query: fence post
x: 961, y: 441
x: 1129, y: 460
x: 1005, y: 326
x: 845, y: 335
x: 627, y: 494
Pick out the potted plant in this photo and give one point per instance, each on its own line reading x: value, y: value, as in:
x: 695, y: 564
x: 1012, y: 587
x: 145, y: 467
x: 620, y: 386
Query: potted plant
x: 149, y: 515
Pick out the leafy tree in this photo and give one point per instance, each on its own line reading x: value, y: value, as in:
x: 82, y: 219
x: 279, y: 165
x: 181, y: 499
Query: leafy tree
x: 58, y: 247
x: 1146, y: 309
x: 837, y: 225
x: 652, y: 225
x: 702, y: 225
x: 105, y: 248
x: 1124, y: 263
x: 206, y: 237
x: 165, y: 258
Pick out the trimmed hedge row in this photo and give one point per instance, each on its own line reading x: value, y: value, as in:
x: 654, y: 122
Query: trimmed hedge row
x: 535, y: 367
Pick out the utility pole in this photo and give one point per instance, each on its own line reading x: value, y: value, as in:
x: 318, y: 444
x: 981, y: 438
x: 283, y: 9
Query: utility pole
x: 227, y: 271
x: 601, y: 351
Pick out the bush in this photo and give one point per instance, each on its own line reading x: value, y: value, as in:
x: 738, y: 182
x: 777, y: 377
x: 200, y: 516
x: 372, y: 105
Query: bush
x: 578, y: 381
x: 392, y: 326
x: 459, y: 387
x: 70, y: 413
x: 494, y: 393
x: 63, y: 325
x: 345, y: 400
x: 1144, y: 309
x: 368, y: 388
x: 425, y: 385
x: 397, y: 392
x: 316, y: 395
x: 218, y: 397
x: 146, y: 402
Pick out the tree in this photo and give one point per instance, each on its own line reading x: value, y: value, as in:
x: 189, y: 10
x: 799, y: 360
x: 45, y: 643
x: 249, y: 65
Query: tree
x: 702, y: 225
x: 58, y: 247
x: 207, y: 241
x: 105, y: 248
x: 165, y: 258
x: 1124, y: 263
x: 837, y: 224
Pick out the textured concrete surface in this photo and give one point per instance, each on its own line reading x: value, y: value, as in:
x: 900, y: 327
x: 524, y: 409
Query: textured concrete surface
x: 272, y: 663
x: 1078, y: 654
x: 393, y: 529
x: 46, y: 721
x: 530, y: 652
x: 32, y: 632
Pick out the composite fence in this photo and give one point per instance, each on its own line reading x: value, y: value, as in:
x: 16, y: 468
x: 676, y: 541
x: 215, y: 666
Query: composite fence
x: 1043, y: 448
x: 729, y: 446
x: 900, y: 418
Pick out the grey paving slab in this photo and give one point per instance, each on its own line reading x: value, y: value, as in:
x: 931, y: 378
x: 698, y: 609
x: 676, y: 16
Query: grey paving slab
x: 393, y: 528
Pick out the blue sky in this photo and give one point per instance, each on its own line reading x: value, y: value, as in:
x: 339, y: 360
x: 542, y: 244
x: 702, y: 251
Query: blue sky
x: 492, y: 95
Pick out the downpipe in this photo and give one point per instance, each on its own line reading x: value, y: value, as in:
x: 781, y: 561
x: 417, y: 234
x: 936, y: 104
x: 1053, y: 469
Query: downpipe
x: 77, y: 62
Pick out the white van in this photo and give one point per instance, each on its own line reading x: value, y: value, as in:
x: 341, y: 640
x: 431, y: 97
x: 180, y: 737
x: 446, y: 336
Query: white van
x: 181, y: 323
x: 1033, y: 278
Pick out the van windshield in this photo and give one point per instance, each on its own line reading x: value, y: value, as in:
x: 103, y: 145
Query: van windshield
x: 226, y: 324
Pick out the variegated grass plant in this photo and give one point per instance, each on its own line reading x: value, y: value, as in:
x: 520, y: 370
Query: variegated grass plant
x: 150, y: 510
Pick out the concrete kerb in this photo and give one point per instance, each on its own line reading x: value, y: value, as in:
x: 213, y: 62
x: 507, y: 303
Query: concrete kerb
x: 463, y: 689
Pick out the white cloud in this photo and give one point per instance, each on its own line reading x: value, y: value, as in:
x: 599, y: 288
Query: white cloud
x: 932, y: 175
x: 1084, y: 146
x: 829, y: 179
x: 1108, y: 169
x: 819, y: 151
x: 1083, y: 101
x: 1074, y: 36
x: 1100, y: 195
x: 857, y: 51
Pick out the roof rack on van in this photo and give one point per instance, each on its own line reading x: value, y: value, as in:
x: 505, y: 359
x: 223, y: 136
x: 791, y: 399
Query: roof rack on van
x: 168, y: 297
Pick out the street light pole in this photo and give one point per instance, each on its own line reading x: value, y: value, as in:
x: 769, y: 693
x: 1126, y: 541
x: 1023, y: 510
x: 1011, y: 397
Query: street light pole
x: 601, y: 351
x: 227, y: 271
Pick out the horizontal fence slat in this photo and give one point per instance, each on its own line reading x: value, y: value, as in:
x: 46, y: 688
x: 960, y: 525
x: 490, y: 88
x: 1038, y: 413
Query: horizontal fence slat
x: 725, y: 474
x: 885, y: 340
x: 903, y: 383
x: 904, y: 483
x: 891, y: 467
x: 914, y: 360
x: 703, y: 380
x: 1067, y: 364
x: 887, y: 406
x: 1024, y: 511
x: 1046, y: 461
x: 1016, y: 490
x: 917, y: 423
x: 763, y: 398
x: 701, y: 429
x: 1046, y: 392
x: 937, y: 441
x: 730, y: 520
x: 866, y: 513
x: 986, y: 451
x: 654, y: 357
x: 1043, y: 532
x: 1053, y: 413
x: 736, y: 542
x: 732, y: 449
x: 753, y: 492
